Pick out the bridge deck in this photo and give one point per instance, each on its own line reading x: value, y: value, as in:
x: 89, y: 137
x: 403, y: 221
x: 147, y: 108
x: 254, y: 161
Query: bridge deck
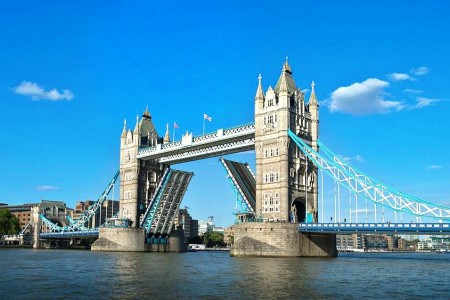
x: 69, y: 234
x: 405, y: 228
x: 243, y: 180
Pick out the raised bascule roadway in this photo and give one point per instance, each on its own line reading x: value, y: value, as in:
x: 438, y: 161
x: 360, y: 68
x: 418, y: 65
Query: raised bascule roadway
x: 278, y: 204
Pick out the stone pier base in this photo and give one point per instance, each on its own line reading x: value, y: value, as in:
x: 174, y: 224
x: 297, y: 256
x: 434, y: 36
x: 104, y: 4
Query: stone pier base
x: 280, y: 240
x: 175, y: 243
x: 120, y: 239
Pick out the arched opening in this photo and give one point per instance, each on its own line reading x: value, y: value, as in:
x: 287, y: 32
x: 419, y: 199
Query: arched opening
x: 298, y: 211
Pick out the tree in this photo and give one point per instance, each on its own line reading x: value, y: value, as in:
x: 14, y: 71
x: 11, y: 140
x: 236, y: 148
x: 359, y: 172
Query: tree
x: 212, y: 238
x: 9, y: 224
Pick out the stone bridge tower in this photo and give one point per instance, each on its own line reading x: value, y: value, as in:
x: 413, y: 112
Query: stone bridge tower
x: 139, y: 178
x: 286, y: 183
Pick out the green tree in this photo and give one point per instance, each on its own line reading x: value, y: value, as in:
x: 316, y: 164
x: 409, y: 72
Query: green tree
x: 9, y: 224
x: 212, y: 238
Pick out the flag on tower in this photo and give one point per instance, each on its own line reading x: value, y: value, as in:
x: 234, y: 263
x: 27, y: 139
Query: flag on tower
x: 206, y: 117
x: 175, y: 125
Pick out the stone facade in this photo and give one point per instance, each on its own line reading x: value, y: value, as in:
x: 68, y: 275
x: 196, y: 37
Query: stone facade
x: 138, y: 178
x: 286, y: 183
x: 275, y: 239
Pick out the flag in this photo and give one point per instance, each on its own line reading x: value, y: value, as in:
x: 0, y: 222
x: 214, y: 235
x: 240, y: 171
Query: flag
x: 175, y: 125
x: 205, y: 116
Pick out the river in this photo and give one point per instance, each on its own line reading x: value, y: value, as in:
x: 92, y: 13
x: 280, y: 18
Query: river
x: 63, y: 274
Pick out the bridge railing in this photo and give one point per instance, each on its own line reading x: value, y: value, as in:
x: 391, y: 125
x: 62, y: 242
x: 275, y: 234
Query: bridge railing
x: 200, y: 139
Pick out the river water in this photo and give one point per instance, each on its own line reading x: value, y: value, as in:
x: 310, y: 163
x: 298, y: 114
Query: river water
x: 63, y: 274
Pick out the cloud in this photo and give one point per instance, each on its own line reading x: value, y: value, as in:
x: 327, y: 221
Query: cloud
x: 362, y: 98
x: 424, y: 102
x: 359, y: 158
x: 400, y: 77
x: 47, y: 188
x: 305, y: 91
x: 412, y: 91
x: 434, y: 167
x: 32, y: 89
x: 420, y: 71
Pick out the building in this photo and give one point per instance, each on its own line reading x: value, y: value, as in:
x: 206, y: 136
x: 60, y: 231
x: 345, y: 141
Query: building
x: 194, y: 228
x: 204, y: 226
x: 228, y: 236
x: 434, y: 243
x: 350, y: 242
x: 23, y: 214
x: 291, y: 199
x: 108, y: 209
x: 183, y: 220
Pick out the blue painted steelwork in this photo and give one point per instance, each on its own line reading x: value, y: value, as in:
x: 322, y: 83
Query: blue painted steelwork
x: 367, y: 187
x: 78, y: 225
x: 69, y: 234
x: 402, y: 228
x: 245, y: 198
x: 154, y: 203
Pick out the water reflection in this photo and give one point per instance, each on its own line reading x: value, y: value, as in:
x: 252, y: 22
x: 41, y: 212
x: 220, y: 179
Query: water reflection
x: 63, y: 274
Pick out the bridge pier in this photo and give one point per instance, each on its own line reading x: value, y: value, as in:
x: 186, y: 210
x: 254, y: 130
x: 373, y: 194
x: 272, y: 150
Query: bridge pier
x: 279, y: 239
x: 118, y: 239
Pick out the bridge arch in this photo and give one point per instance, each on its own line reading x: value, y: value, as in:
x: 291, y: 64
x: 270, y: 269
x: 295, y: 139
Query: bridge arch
x: 298, y: 210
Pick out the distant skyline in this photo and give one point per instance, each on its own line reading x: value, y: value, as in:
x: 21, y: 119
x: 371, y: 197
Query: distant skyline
x: 71, y: 72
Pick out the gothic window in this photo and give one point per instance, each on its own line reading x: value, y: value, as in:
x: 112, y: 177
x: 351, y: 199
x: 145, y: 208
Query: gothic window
x: 271, y: 177
x: 275, y: 118
x: 271, y: 152
x: 270, y: 102
x: 276, y: 151
x: 276, y: 177
x: 266, y: 153
x: 265, y: 120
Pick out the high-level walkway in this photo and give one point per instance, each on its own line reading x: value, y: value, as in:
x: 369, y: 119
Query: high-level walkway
x: 221, y: 142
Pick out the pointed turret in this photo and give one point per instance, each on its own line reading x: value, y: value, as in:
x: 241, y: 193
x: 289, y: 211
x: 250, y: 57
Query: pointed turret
x: 147, y: 114
x: 312, y: 97
x: 136, y: 128
x: 167, y: 135
x: 314, y: 112
x: 286, y: 81
x: 259, y: 90
x: 124, y: 131
x: 259, y: 97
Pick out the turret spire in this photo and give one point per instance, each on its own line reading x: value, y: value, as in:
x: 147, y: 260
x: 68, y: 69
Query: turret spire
x: 259, y: 91
x: 167, y: 135
x: 147, y: 113
x: 136, y: 128
x: 124, y: 131
x: 312, y: 97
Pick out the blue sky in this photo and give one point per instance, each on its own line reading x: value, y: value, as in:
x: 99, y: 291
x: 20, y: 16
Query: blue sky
x: 71, y: 71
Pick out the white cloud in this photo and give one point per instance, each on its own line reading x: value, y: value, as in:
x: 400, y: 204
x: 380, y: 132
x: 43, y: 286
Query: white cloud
x: 32, y: 89
x: 47, y: 188
x: 420, y: 71
x: 345, y: 158
x: 434, y: 167
x: 424, y: 102
x: 400, y: 77
x: 359, y: 158
x: 362, y: 98
x: 305, y: 91
x: 412, y: 91
x: 348, y: 159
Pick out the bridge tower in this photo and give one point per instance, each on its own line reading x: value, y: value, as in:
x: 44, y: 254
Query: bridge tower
x: 139, y: 178
x: 286, y: 183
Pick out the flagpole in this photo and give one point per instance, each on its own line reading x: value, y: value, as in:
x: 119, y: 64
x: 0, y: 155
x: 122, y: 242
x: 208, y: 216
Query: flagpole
x: 173, y: 135
x: 203, y: 124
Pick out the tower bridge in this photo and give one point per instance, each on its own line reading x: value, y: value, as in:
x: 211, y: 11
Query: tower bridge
x: 280, y: 200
